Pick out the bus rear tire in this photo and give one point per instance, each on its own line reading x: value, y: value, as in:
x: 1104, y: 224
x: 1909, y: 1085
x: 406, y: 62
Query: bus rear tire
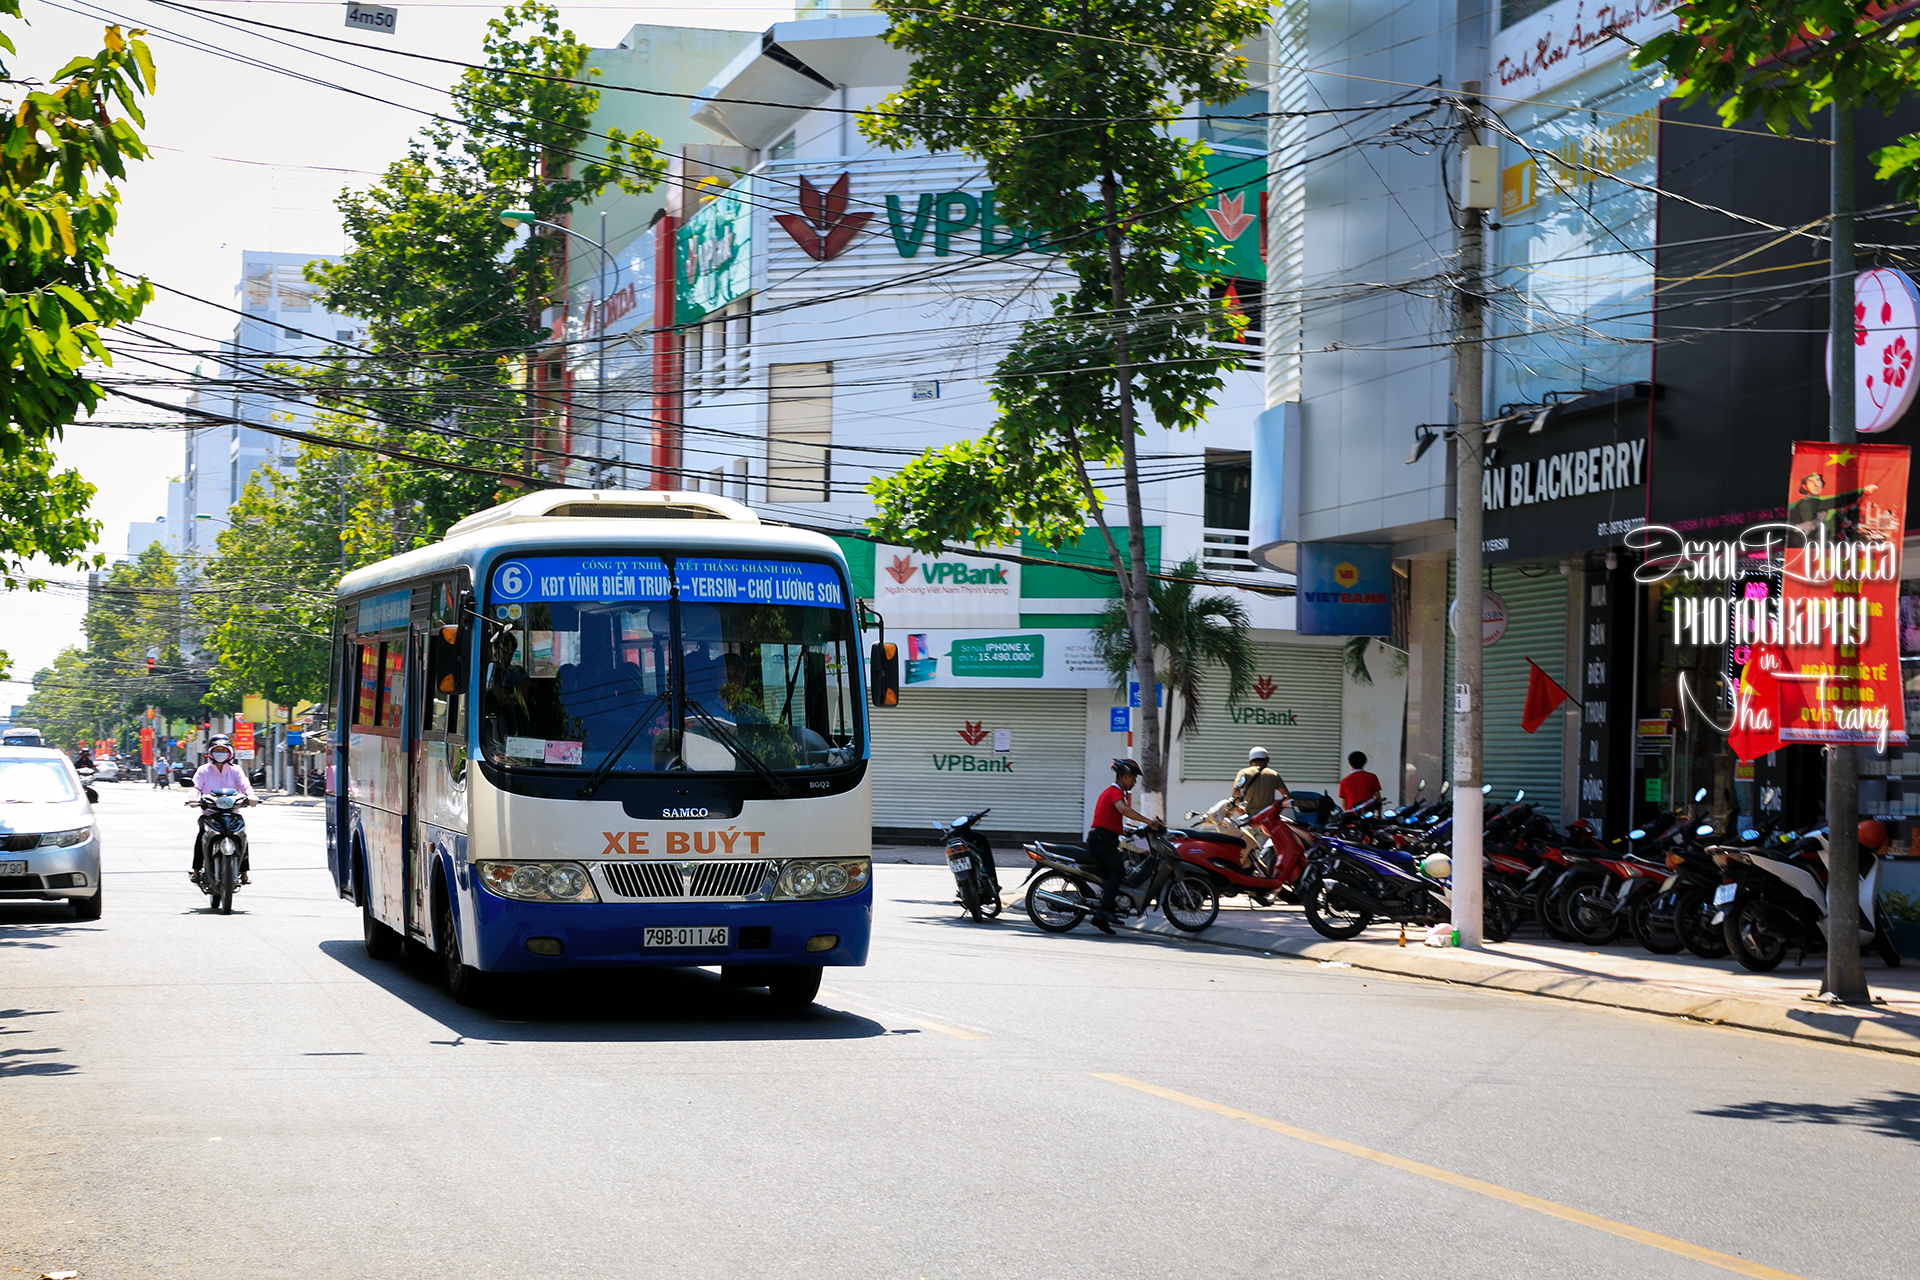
x: 793, y: 986
x: 382, y: 943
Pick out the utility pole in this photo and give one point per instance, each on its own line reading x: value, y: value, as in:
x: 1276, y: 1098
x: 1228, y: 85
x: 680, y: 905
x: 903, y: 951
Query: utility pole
x: 1479, y: 189
x: 599, y: 469
x: 1844, y: 981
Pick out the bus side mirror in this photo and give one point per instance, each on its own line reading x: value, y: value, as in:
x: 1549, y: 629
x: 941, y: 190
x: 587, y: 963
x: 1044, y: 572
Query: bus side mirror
x: 883, y: 675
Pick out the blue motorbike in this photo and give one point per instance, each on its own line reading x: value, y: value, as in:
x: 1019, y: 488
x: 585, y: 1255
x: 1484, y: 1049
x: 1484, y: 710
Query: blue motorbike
x: 1351, y: 885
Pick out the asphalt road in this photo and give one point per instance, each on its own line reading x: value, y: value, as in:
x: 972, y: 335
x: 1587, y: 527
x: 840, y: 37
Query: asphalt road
x: 185, y: 1095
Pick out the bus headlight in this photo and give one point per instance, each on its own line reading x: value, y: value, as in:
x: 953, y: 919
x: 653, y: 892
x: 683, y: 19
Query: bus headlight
x: 539, y: 881
x: 822, y: 879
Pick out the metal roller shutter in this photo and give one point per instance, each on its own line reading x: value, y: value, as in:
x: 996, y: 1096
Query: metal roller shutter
x: 925, y: 770
x: 1512, y: 758
x: 1298, y: 721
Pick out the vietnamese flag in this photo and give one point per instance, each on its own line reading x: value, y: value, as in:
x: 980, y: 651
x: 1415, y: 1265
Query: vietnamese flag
x: 1543, y: 695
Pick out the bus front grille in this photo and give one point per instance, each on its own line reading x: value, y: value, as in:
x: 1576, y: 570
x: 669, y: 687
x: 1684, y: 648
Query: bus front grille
x: 674, y: 881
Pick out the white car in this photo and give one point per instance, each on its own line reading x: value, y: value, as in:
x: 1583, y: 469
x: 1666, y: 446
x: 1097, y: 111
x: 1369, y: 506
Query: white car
x: 49, y: 842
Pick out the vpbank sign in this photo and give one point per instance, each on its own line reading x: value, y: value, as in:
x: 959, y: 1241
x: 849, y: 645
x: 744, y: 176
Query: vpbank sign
x: 915, y: 590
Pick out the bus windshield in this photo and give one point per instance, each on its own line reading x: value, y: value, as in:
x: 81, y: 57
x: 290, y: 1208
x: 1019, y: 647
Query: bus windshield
x: 645, y: 663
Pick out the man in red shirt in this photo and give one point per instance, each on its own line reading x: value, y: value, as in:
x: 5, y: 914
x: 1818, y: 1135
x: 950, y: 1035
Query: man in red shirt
x: 1358, y: 787
x: 1103, y: 838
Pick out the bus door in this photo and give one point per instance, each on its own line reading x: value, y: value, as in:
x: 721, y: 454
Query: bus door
x: 436, y: 798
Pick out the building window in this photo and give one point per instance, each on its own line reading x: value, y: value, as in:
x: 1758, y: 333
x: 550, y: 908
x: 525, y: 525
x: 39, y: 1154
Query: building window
x: 1232, y: 124
x: 343, y: 335
x: 1512, y: 11
x: 799, y: 432
x: 1229, y: 494
x: 783, y: 149
x: 290, y: 333
x: 1227, y: 508
x: 256, y: 290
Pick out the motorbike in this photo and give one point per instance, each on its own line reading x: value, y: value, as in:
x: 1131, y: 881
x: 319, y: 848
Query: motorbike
x: 1776, y: 900
x: 1065, y: 884
x: 86, y: 784
x: 1271, y: 867
x: 1352, y: 885
x: 970, y: 858
x: 224, y: 848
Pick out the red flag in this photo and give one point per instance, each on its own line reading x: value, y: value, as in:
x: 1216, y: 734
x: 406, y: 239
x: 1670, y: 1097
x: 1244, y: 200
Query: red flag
x: 1543, y: 695
x: 1756, y: 714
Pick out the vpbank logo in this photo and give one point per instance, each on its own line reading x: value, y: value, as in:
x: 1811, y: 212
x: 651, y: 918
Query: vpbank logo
x: 1346, y: 575
x: 824, y: 228
x: 950, y: 573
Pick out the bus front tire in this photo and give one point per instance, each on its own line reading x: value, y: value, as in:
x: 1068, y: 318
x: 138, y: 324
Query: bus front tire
x: 793, y: 987
x: 466, y: 984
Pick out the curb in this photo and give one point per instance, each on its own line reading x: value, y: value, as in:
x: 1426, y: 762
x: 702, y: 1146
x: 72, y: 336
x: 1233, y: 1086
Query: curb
x: 1830, y: 1025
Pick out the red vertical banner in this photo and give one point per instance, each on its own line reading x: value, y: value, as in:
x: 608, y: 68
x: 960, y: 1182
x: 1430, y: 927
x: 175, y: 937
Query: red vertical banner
x: 146, y: 745
x: 1840, y: 680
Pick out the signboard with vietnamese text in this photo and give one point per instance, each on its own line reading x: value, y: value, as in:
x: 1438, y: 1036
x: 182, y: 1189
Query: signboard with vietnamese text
x: 714, y: 251
x: 913, y: 590
x: 955, y: 659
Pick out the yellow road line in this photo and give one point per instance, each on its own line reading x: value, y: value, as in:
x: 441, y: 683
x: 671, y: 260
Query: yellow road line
x: 945, y: 1030
x: 1725, y: 1261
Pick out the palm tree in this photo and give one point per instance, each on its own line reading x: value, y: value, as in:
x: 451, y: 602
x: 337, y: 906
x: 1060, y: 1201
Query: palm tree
x: 1191, y: 632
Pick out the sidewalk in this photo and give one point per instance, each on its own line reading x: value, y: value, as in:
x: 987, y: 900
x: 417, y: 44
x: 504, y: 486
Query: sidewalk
x: 1621, y: 975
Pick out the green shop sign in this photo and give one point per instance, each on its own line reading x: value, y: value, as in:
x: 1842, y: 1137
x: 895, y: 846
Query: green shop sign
x: 937, y: 221
x: 715, y: 258
x: 1024, y: 657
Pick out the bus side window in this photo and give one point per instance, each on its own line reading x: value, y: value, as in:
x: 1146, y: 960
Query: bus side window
x: 446, y: 680
x: 393, y: 683
x: 367, y: 686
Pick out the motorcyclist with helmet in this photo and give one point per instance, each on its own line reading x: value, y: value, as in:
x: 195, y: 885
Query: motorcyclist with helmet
x: 1103, y: 837
x: 220, y: 773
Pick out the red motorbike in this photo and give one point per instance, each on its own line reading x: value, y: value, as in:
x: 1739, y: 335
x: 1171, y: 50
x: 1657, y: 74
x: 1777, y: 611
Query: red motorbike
x: 1218, y: 853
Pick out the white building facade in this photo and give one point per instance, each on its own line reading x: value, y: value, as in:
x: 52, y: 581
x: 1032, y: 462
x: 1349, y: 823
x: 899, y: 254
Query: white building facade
x: 810, y: 312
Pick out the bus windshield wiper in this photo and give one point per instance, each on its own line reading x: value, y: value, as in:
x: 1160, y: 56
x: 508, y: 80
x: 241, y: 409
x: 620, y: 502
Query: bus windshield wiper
x: 741, y: 749
x: 599, y: 775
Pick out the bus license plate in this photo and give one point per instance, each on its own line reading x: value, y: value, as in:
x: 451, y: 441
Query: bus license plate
x: 704, y: 935
x: 13, y: 868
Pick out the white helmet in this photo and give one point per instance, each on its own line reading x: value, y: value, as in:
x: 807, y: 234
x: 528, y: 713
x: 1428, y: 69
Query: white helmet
x: 1258, y: 753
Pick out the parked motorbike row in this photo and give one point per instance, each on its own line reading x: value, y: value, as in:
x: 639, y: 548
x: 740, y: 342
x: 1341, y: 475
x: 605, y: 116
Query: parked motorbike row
x: 1758, y: 893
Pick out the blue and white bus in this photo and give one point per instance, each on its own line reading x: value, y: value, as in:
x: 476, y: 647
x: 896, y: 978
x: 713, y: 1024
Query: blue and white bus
x: 598, y: 729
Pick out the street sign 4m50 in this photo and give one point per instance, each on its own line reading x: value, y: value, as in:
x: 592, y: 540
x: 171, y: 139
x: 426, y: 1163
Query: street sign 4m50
x: 373, y: 17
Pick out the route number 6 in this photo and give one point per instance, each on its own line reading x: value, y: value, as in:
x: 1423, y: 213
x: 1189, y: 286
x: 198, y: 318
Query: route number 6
x: 512, y: 581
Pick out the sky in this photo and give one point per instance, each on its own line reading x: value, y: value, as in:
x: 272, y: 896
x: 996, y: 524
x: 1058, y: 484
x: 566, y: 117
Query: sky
x: 247, y: 157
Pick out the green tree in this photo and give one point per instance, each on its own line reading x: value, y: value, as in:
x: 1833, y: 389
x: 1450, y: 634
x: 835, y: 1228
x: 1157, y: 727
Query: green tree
x: 68, y: 704
x: 1068, y: 107
x: 447, y: 306
x: 266, y: 599
x: 138, y: 612
x: 61, y: 148
x: 1193, y: 633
